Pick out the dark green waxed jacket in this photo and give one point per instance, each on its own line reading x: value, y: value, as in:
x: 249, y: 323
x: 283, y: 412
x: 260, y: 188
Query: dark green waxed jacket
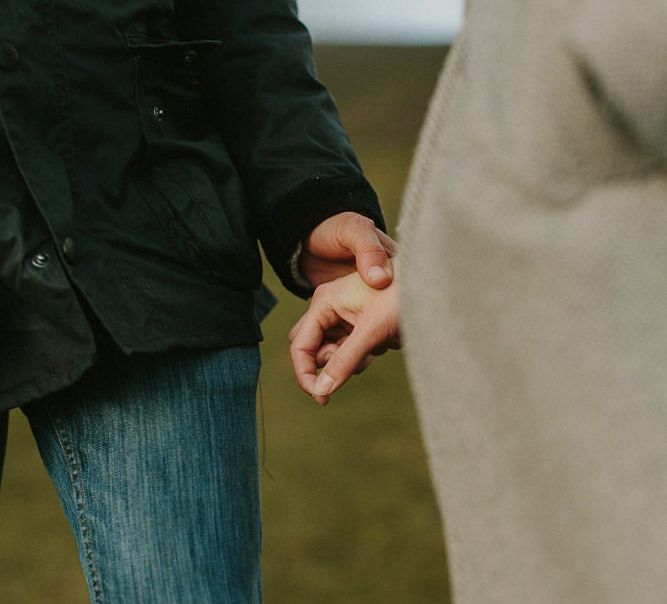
x: 147, y: 146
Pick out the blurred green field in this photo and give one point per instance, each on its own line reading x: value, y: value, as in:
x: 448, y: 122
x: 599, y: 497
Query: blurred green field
x: 349, y: 515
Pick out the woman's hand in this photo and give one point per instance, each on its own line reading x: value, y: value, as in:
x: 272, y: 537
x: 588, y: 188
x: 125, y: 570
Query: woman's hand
x: 347, y: 322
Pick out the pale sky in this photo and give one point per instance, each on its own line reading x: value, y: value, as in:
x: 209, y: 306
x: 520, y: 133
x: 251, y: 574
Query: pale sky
x: 397, y: 21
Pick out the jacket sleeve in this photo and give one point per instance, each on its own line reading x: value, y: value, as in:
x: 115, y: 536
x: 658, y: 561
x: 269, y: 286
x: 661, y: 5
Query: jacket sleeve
x: 278, y: 121
x: 622, y: 46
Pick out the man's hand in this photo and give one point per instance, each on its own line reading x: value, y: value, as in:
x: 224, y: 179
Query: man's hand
x: 347, y: 321
x: 343, y: 244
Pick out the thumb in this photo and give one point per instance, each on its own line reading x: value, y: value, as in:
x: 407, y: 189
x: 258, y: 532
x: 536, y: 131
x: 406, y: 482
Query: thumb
x: 371, y: 248
x: 372, y: 259
x: 344, y: 362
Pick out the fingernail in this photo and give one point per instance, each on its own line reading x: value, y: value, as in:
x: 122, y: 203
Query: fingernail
x: 324, y: 384
x: 377, y: 273
x: 322, y: 401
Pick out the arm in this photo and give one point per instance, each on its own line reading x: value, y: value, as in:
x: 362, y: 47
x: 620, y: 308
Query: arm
x: 346, y: 322
x: 281, y: 127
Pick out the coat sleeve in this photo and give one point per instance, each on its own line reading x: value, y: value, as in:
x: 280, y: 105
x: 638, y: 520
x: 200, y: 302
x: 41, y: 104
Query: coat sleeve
x: 278, y: 121
x: 622, y: 47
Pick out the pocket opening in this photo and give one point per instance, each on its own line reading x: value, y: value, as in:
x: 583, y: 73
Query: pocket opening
x: 178, y: 54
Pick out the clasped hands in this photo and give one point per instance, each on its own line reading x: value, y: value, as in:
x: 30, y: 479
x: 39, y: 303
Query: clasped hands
x: 353, y: 314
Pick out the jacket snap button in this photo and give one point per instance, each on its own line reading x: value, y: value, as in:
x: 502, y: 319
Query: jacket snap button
x: 189, y: 56
x: 40, y: 260
x: 9, y: 56
x: 158, y: 113
x: 69, y: 250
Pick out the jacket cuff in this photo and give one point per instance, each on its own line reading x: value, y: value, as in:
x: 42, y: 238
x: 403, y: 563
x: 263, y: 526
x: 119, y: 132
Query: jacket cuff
x: 300, y: 210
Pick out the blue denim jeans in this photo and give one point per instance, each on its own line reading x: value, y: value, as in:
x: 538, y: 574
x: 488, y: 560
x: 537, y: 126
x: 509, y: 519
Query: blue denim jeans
x: 155, y: 461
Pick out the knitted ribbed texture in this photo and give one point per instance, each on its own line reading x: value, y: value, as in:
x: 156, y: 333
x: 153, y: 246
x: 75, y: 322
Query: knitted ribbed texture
x: 534, y: 293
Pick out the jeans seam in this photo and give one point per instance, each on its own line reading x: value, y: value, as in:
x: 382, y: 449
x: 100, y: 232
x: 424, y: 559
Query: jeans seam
x: 74, y: 473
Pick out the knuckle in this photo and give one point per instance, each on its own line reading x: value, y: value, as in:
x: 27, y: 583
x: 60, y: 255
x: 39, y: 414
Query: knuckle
x: 295, y: 357
x: 296, y: 349
x: 361, y: 220
x: 351, y: 221
x: 366, y: 227
x: 340, y: 359
x: 374, y: 247
x: 320, y: 294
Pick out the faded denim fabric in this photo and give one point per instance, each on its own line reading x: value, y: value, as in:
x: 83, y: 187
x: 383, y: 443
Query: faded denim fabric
x: 155, y: 460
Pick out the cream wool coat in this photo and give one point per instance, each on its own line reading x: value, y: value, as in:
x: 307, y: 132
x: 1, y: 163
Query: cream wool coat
x: 534, y: 292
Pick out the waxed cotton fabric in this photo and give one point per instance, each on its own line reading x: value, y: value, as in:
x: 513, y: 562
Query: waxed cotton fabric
x: 147, y: 146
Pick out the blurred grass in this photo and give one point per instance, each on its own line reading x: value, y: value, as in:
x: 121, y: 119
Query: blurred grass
x: 349, y: 515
